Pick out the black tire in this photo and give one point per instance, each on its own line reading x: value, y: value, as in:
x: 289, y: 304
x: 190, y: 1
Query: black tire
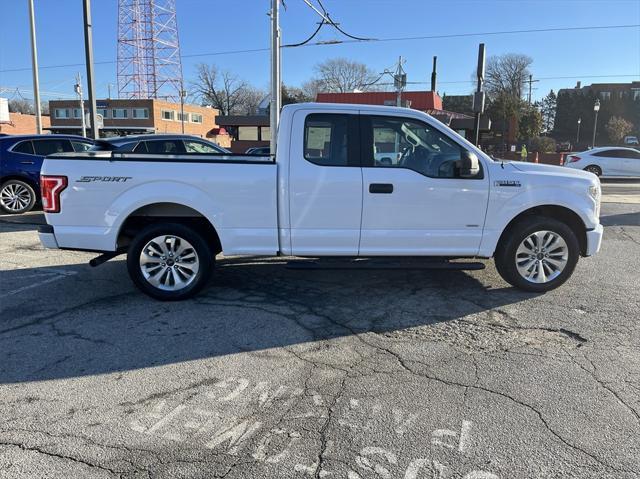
x: 12, y: 205
x: 195, y: 283
x: 595, y: 169
x: 505, y: 257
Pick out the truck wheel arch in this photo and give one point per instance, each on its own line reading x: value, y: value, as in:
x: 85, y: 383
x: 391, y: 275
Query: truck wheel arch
x: 169, y: 213
x: 560, y: 213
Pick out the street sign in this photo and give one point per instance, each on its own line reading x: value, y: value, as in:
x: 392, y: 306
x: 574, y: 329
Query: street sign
x: 478, y: 102
x: 481, y: 62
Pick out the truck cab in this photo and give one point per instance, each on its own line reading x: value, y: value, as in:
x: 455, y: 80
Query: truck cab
x: 348, y: 181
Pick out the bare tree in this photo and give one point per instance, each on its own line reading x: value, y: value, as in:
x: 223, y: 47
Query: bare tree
x: 506, y: 75
x: 311, y: 88
x: 617, y: 128
x: 20, y: 105
x: 225, y: 91
x: 340, y: 75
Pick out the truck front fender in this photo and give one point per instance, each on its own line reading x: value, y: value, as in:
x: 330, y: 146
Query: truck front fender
x: 504, y: 208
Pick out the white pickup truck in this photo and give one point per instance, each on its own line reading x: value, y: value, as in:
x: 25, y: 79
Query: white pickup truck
x: 347, y: 180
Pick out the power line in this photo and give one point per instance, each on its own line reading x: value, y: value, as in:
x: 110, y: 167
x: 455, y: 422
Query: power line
x: 505, y: 32
x: 470, y: 81
x: 291, y: 45
x: 372, y: 40
x: 19, y: 90
x: 335, y: 25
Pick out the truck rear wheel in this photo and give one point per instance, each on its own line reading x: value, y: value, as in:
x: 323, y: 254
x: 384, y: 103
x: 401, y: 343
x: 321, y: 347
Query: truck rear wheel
x: 169, y: 261
x: 537, y: 254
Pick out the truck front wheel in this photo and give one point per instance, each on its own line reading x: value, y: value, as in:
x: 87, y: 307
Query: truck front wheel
x: 537, y: 254
x: 169, y: 261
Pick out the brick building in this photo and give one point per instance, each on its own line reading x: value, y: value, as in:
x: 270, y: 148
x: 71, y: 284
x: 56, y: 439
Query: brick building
x: 418, y: 100
x: 138, y: 116
x: 20, y: 124
x: 616, y: 99
x: 426, y: 101
x: 246, y: 131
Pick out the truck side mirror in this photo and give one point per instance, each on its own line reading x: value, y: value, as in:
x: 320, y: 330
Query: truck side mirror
x: 469, y: 165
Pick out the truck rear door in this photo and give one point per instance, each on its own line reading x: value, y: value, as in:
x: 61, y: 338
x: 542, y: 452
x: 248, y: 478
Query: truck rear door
x: 325, y: 196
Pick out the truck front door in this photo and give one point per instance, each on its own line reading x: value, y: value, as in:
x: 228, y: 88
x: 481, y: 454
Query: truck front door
x: 325, y: 184
x: 414, y: 200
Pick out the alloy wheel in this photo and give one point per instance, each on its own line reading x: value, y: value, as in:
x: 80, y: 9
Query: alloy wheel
x: 169, y: 263
x: 15, y: 197
x: 542, y: 256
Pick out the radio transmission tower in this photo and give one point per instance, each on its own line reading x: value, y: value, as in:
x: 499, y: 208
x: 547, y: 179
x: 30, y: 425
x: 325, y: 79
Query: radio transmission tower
x: 149, y: 64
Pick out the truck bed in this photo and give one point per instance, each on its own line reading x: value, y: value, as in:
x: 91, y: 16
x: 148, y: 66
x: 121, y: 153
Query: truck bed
x: 236, y: 193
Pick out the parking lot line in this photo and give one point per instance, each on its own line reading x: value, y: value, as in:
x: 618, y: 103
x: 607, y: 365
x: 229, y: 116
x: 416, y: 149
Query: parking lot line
x: 58, y: 275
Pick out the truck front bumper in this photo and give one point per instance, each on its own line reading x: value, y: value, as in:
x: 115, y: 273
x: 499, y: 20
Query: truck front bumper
x: 47, y: 236
x: 594, y: 240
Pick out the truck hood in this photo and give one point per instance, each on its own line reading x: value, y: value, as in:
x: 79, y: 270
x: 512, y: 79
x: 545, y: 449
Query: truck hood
x: 552, y: 170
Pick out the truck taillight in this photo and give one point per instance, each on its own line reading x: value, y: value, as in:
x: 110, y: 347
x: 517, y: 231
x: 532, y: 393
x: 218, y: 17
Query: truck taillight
x: 51, y: 187
x: 573, y: 158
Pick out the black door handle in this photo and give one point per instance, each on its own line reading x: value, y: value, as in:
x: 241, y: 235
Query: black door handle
x: 385, y: 188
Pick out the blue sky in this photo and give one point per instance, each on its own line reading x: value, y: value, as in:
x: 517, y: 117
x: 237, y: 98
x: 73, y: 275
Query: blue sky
x: 212, y: 26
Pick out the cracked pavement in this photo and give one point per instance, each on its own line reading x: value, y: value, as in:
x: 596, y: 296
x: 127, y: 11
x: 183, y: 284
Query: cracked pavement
x: 275, y: 372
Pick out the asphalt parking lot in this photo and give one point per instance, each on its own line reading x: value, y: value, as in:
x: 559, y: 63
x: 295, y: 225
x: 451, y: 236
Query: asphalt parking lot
x: 280, y: 373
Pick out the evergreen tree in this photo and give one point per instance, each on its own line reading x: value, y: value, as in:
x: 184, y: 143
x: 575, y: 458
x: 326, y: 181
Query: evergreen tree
x: 548, y: 110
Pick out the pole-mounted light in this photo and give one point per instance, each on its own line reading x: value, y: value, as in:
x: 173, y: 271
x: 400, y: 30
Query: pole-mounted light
x: 596, y: 109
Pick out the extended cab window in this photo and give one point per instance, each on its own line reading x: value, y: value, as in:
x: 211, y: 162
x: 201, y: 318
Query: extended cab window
x: 51, y: 147
x: 405, y: 143
x: 327, y: 139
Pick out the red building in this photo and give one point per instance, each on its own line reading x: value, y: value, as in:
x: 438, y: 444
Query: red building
x: 426, y: 101
x: 418, y: 100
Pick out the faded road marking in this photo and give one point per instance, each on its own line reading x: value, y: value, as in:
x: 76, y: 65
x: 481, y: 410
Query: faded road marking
x: 57, y: 275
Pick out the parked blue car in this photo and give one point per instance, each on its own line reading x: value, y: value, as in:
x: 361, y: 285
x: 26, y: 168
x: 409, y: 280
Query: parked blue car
x: 20, y: 162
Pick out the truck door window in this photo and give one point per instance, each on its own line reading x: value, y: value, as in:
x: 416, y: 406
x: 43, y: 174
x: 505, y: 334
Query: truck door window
x: 328, y: 139
x: 404, y: 143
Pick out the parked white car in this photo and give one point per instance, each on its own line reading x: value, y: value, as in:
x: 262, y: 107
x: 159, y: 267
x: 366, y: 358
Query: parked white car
x: 326, y: 193
x: 607, y: 161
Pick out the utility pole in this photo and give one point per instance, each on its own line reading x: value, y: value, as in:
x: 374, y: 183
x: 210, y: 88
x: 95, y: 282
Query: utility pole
x: 276, y: 100
x: 478, y: 97
x: 109, y: 91
x: 530, y: 81
x: 34, y: 68
x: 88, y: 50
x: 400, y: 81
x: 596, y: 109
x: 183, y: 95
x: 434, y: 74
x: 78, y: 89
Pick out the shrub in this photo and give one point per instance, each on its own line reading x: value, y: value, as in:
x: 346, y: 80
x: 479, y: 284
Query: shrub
x: 542, y: 144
